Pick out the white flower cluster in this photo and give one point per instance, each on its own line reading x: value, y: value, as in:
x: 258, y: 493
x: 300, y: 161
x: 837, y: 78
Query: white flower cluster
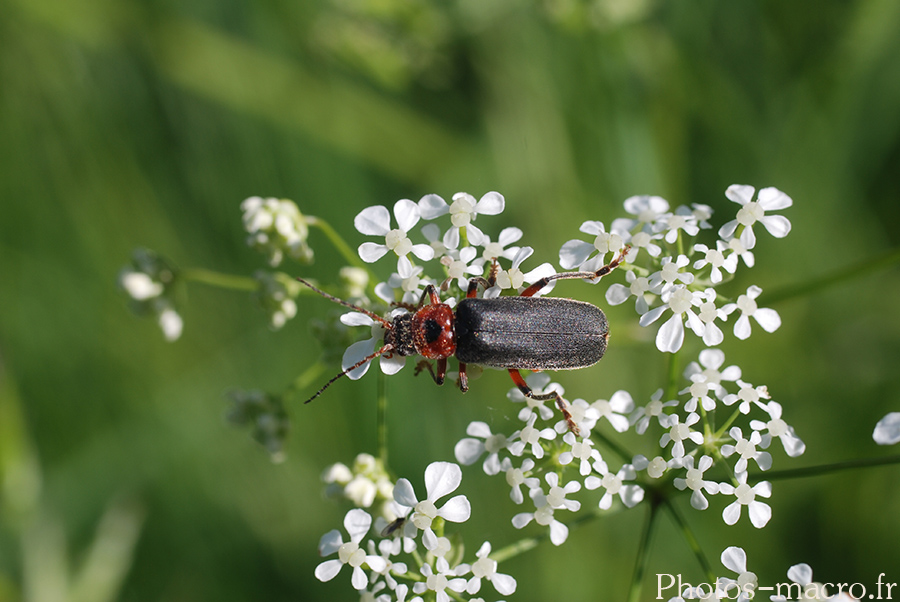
x: 685, y: 453
x: 149, y: 283
x: 683, y: 283
x: 743, y: 587
x: 705, y: 438
x: 413, y: 531
x: 276, y: 228
x: 276, y: 295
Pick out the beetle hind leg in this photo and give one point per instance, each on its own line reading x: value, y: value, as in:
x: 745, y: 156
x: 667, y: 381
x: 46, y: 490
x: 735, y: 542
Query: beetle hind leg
x: 560, y: 402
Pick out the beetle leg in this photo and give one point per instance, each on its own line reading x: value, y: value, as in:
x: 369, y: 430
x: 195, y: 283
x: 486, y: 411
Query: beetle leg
x: 431, y: 294
x: 609, y: 267
x: 560, y: 402
x: 492, y: 275
x: 437, y: 376
x: 463, y: 378
x: 406, y: 306
x: 472, y: 291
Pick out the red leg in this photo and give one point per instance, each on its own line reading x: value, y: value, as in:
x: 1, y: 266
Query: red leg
x: 485, y: 283
x: 463, y: 378
x: 534, y: 288
x: 560, y: 402
x: 437, y: 376
x: 431, y: 294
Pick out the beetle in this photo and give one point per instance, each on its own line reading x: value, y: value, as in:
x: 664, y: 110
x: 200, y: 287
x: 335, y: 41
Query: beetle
x: 514, y: 333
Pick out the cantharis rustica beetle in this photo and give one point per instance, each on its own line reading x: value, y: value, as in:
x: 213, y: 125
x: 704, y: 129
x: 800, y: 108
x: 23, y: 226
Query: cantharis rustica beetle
x: 523, y: 332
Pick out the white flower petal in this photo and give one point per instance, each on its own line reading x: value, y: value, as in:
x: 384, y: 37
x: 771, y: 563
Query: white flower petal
x: 441, y: 478
x: 359, y: 580
x: 713, y: 335
x: 491, y: 203
x: 617, y: 294
x: 735, y: 559
x: 699, y: 501
x: 763, y: 489
x: 727, y: 230
x: 521, y: 255
x: 653, y: 315
x: 777, y: 225
x: 670, y: 335
x: 760, y: 514
x: 574, y: 253
x: 328, y: 570
x: 887, y: 431
x: 593, y: 228
x: 355, y: 353
x: 392, y: 365
x: 772, y: 199
x: 478, y: 429
x: 767, y: 318
x: 468, y: 450
x: 371, y: 252
x: 748, y: 238
x: 456, y: 510
x: 376, y: 563
x: 404, y: 493
x: 740, y: 193
x: 357, y: 523
x: 330, y: 543
x: 509, y: 236
x: 423, y: 252
x: 732, y: 513
x: 374, y: 221
x: 504, y: 584
x: 474, y: 234
x: 432, y: 206
x: 354, y: 318
x: 522, y: 519
x: 742, y: 328
x: 558, y: 533
x: 171, y: 324
x: 406, y: 213
x: 800, y: 573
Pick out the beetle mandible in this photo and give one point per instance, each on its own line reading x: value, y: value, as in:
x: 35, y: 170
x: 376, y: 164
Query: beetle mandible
x: 514, y: 333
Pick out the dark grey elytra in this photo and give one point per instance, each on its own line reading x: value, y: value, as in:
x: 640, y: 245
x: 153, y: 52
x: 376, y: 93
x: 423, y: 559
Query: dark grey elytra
x: 530, y: 333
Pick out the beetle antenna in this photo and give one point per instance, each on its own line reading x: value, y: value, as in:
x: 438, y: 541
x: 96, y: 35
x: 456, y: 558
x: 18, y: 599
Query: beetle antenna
x: 368, y: 358
x: 371, y: 314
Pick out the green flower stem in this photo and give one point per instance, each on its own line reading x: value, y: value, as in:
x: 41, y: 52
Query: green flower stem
x: 227, y: 281
x: 833, y: 278
x: 724, y: 428
x: 640, y: 563
x: 814, y: 471
x: 673, y: 377
x: 516, y: 548
x: 691, y: 539
x: 335, y: 239
x: 617, y: 449
x: 381, y: 419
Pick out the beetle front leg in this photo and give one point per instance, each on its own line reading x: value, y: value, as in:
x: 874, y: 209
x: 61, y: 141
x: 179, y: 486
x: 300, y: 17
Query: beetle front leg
x: 437, y: 376
x: 560, y: 402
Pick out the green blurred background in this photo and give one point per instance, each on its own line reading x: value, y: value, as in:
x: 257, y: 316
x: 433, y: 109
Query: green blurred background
x: 127, y: 124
